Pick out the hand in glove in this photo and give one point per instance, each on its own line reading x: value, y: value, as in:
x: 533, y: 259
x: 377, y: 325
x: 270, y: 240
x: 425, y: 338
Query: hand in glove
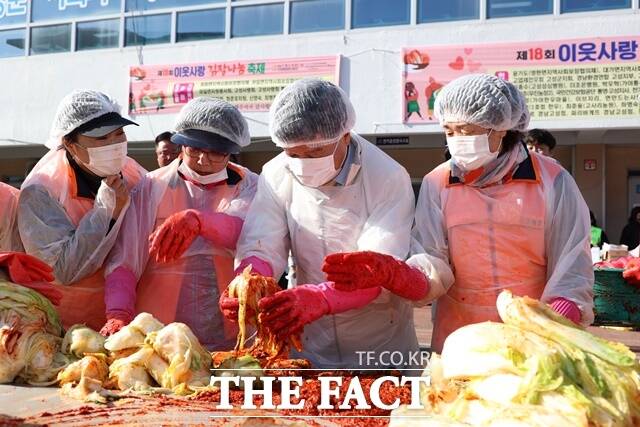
x: 287, y: 312
x: 24, y: 268
x: 229, y: 307
x: 115, y: 322
x: 175, y: 235
x: 361, y: 270
x: 566, y: 308
x: 30, y: 272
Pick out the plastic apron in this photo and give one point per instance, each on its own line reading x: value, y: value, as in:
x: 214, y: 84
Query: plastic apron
x: 187, y: 290
x: 340, y: 212
x: 83, y: 300
x: 9, y: 236
x: 496, y: 241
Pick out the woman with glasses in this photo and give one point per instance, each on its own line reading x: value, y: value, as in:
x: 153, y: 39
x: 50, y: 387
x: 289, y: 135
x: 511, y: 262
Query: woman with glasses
x: 72, y: 204
x: 176, y: 248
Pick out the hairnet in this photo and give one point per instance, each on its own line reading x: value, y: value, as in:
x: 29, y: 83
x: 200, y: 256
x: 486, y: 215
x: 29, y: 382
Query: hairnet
x: 483, y: 100
x: 215, y: 116
x: 310, y: 111
x: 76, y: 109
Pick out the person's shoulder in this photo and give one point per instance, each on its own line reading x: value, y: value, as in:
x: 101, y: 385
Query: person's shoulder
x: 376, y: 161
x: 438, y: 176
x: 275, y: 167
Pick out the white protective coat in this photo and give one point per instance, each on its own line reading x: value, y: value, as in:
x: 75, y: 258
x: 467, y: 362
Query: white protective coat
x: 374, y: 211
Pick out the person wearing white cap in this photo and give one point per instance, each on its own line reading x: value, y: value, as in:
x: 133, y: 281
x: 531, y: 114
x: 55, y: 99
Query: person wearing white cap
x: 174, y: 255
x: 72, y: 203
x: 330, y: 190
x: 495, y: 217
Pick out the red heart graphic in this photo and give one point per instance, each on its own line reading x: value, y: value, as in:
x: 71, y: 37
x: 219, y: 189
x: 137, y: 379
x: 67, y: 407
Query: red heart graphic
x: 467, y: 51
x: 473, y: 66
x: 458, y: 64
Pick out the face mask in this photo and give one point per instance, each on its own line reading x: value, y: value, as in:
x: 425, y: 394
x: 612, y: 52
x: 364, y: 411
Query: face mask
x: 202, y: 179
x: 470, y: 152
x: 107, y: 160
x: 314, y: 172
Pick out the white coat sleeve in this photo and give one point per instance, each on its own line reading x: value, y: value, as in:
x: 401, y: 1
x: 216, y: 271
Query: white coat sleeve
x: 567, y: 237
x: 48, y: 233
x: 265, y: 233
x: 131, y: 249
x: 429, y: 244
x: 387, y: 230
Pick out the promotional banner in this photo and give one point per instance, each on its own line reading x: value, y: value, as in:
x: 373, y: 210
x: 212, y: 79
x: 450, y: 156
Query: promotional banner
x: 562, y: 79
x: 250, y: 85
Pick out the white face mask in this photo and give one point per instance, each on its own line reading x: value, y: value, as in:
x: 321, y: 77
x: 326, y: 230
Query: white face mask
x: 470, y: 152
x: 202, y: 179
x: 107, y: 160
x: 314, y: 172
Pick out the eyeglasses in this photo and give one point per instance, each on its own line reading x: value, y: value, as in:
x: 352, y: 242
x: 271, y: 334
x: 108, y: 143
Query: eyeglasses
x: 195, y: 153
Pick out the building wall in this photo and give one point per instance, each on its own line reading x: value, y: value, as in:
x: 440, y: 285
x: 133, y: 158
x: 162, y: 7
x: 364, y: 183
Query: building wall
x: 621, y: 159
x: 371, y: 73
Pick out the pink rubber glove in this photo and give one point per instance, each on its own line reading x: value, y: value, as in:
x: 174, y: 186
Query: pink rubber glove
x: 229, y: 306
x: 115, y: 322
x: 566, y: 308
x: 175, y: 235
x: 258, y: 265
x: 120, y: 293
x: 287, y: 312
x: 360, y: 270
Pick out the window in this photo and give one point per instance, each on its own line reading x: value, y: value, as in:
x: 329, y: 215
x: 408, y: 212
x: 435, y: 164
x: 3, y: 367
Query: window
x: 502, y: 8
x: 13, y: 12
x: 257, y: 20
x: 163, y: 4
x: 316, y: 15
x: 450, y: 10
x: 376, y: 13
x: 51, y: 39
x: 200, y: 25
x: 145, y: 30
x: 97, y: 34
x: 12, y: 43
x: 43, y: 10
x: 587, y: 5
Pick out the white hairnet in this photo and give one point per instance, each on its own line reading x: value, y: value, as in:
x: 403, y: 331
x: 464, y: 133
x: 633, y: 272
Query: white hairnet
x: 483, y: 100
x: 215, y: 116
x: 310, y: 111
x: 76, y: 109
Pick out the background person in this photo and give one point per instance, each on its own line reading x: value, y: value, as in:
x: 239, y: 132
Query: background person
x: 166, y: 151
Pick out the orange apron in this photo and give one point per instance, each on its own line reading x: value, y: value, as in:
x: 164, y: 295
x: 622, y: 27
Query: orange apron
x: 83, y: 300
x: 9, y: 236
x: 181, y: 290
x: 496, y: 238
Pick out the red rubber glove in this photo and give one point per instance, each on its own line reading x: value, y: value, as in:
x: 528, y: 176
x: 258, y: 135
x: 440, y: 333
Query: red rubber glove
x: 24, y: 268
x: 631, y: 273
x: 175, y: 235
x: 287, y: 312
x: 115, y: 322
x: 360, y: 270
x: 229, y: 307
x: 566, y: 308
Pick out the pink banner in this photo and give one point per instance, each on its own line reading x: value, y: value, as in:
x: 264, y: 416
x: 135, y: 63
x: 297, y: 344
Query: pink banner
x: 595, y: 77
x: 250, y: 85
